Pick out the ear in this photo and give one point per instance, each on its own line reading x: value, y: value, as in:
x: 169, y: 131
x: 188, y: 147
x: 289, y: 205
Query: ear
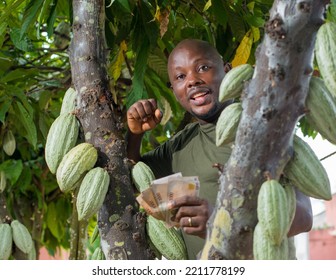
x: 227, y: 67
x: 169, y: 85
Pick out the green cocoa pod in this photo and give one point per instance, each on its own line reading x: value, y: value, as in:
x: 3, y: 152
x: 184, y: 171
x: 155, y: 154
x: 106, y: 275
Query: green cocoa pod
x: 9, y: 143
x: 21, y: 237
x: 321, y: 107
x: 74, y: 165
x: 32, y: 254
x: 305, y: 171
x: 3, y: 181
x: 272, y: 211
x: 291, y: 249
x: 92, y: 192
x: 264, y: 248
x: 62, y: 137
x: 291, y: 202
x: 227, y: 124
x: 142, y: 176
x: 6, y: 241
x: 325, y: 54
x: 98, y: 254
x: 69, y: 101
x: 232, y: 84
x: 168, y: 241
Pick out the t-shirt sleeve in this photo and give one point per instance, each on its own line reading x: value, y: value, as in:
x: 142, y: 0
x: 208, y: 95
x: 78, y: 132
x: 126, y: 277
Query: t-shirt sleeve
x: 159, y: 160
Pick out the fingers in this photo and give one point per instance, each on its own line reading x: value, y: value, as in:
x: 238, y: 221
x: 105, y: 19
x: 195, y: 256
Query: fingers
x: 192, y: 214
x: 142, y: 110
x: 143, y: 115
x: 194, y: 226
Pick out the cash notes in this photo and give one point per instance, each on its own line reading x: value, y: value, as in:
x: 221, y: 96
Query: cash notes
x: 155, y: 200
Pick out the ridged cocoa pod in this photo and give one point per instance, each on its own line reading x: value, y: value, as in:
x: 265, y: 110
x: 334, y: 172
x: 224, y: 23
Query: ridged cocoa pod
x: 272, y: 211
x: 69, y: 101
x: 291, y: 248
x: 321, y: 107
x: 9, y: 143
x: 92, y: 192
x: 264, y: 248
x: 62, y: 137
x: 233, y: 82
x: 21, y: 237
x: 168, y: 241
x: 325, y: 46
x: 306, y: 172
x: 6, y: 241
x: 74, y: 165
x: 142, y: 176
x: 227, y: 124
x: 291, y: 202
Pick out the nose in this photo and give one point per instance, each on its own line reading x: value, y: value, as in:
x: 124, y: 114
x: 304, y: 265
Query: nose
x: 194, y: 80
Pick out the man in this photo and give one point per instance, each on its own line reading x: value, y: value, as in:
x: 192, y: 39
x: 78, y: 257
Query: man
x: 195, y: 71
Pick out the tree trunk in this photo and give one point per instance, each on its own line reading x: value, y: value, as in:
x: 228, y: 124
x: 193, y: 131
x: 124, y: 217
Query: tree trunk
x: 121, y: 226
x: 273, y: 102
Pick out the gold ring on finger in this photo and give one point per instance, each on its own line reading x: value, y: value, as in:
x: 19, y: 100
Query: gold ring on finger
x: 190, y: 222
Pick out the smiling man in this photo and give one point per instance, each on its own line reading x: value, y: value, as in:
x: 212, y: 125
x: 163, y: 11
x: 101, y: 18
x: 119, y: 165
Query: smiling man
x: 195, y: 71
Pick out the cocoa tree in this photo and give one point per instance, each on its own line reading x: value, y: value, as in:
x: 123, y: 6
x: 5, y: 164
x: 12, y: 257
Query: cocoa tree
x: 121, y: 225
x: 113, y: 65
x: 273, y: 102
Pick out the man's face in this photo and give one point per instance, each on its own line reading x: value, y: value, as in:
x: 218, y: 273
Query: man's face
x: 195, y: 72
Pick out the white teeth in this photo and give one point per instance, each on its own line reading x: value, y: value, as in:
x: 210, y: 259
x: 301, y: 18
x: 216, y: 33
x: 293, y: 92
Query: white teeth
x: 198, y: 95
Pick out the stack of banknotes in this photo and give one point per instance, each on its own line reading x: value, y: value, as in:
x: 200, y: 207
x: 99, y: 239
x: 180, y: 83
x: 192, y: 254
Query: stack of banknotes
x: 155, y: 200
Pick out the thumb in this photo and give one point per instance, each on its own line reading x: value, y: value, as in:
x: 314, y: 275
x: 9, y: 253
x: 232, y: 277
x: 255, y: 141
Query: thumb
x: 158, y: 115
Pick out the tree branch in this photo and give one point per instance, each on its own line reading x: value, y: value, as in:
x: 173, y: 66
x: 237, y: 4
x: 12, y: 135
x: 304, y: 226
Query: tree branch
x: 272, y: 103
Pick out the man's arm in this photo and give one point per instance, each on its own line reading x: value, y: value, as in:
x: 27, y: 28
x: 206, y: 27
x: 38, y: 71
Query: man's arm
x: 303, y: 220
x: 142, y: 116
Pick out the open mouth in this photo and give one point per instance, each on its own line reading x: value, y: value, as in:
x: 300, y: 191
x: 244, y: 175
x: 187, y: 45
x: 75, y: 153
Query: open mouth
x: 201, y: 97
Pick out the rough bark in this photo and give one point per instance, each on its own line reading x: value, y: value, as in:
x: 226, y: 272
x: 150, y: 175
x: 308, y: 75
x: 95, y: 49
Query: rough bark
x: 273, y: 102
x: 121, y: 226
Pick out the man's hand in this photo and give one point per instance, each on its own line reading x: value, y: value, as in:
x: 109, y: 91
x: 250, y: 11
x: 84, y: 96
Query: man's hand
x: 143, y: 115
x: 192, y: 214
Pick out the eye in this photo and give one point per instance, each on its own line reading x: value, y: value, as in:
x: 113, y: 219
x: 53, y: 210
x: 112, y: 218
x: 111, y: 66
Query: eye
x: 180, y: 77
x: 204, y: 68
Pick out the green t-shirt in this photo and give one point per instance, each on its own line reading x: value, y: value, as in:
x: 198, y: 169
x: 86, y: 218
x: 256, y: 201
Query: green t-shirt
x: 192, y: 152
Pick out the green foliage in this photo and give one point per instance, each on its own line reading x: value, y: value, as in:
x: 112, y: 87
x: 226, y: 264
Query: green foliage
x: 35, y: 73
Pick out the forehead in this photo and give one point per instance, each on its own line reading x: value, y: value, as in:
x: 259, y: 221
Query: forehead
x: 192, y: 52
